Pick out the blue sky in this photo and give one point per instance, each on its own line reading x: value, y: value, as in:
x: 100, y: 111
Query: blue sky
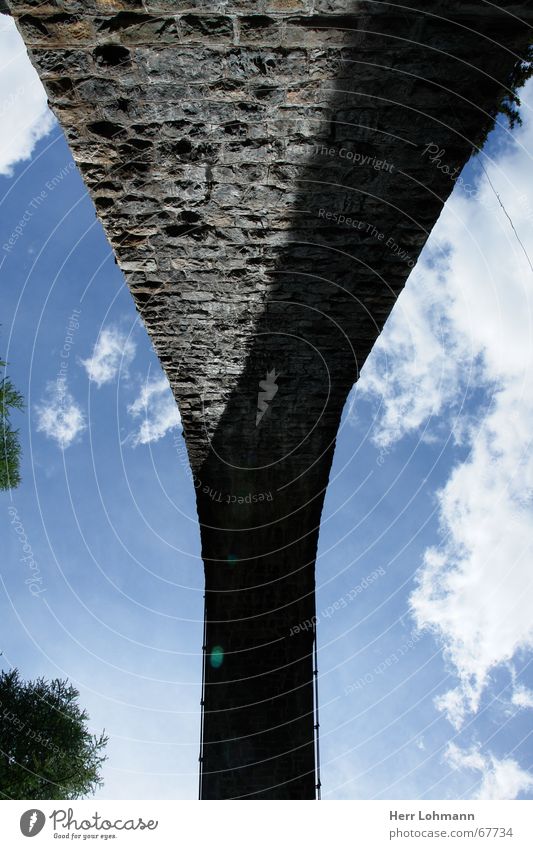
x: 424, y: 570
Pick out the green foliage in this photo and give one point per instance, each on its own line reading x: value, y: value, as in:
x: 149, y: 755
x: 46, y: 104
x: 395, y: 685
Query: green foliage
x: 46, y: 750
x: 510, y: 105
x: 509, y: 102
x: 10, y: 399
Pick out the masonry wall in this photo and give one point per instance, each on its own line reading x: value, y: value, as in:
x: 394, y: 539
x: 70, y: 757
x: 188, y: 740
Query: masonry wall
x: 267, y: 174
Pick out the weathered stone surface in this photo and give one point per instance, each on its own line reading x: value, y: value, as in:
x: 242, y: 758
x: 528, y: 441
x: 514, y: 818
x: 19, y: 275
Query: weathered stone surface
x: 262, y: 173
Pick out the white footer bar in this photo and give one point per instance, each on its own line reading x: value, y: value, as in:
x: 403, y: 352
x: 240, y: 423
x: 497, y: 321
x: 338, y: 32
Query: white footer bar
x: 269, y: 825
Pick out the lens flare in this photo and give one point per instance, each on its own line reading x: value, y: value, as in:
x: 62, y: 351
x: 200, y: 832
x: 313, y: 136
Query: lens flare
x: 216, y: 657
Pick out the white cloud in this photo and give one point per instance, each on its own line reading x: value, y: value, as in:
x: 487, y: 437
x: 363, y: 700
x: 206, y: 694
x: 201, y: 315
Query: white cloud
x: 500, y: 779
x: 113, y: 352
x: 463, y: 758
x: 474, y: 590
x: 158, y: 406
x: 417, y: 365
x: 522, y: 697
x: 58, y: 416
x: 466, y: 318
x: 24, y: 113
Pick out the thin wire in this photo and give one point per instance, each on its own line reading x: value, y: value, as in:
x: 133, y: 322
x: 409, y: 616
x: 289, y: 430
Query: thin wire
x: 481, y: 151
x: 317, y: 723
x: 507, y: 214
x: 202, y: 704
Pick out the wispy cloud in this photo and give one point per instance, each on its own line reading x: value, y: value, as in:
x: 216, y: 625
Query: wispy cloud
x: 522, y: 697
x: 113, y: 352
x: 159, y: 409
x: 499, y: 779
x: 22, y: 98
x: 466, y: 320
x: 59, y: 417
x: 418, y: 364
x: 474, y: 590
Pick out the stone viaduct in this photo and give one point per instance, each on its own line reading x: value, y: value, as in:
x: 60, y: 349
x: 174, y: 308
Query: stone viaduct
x: 261, y: 170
